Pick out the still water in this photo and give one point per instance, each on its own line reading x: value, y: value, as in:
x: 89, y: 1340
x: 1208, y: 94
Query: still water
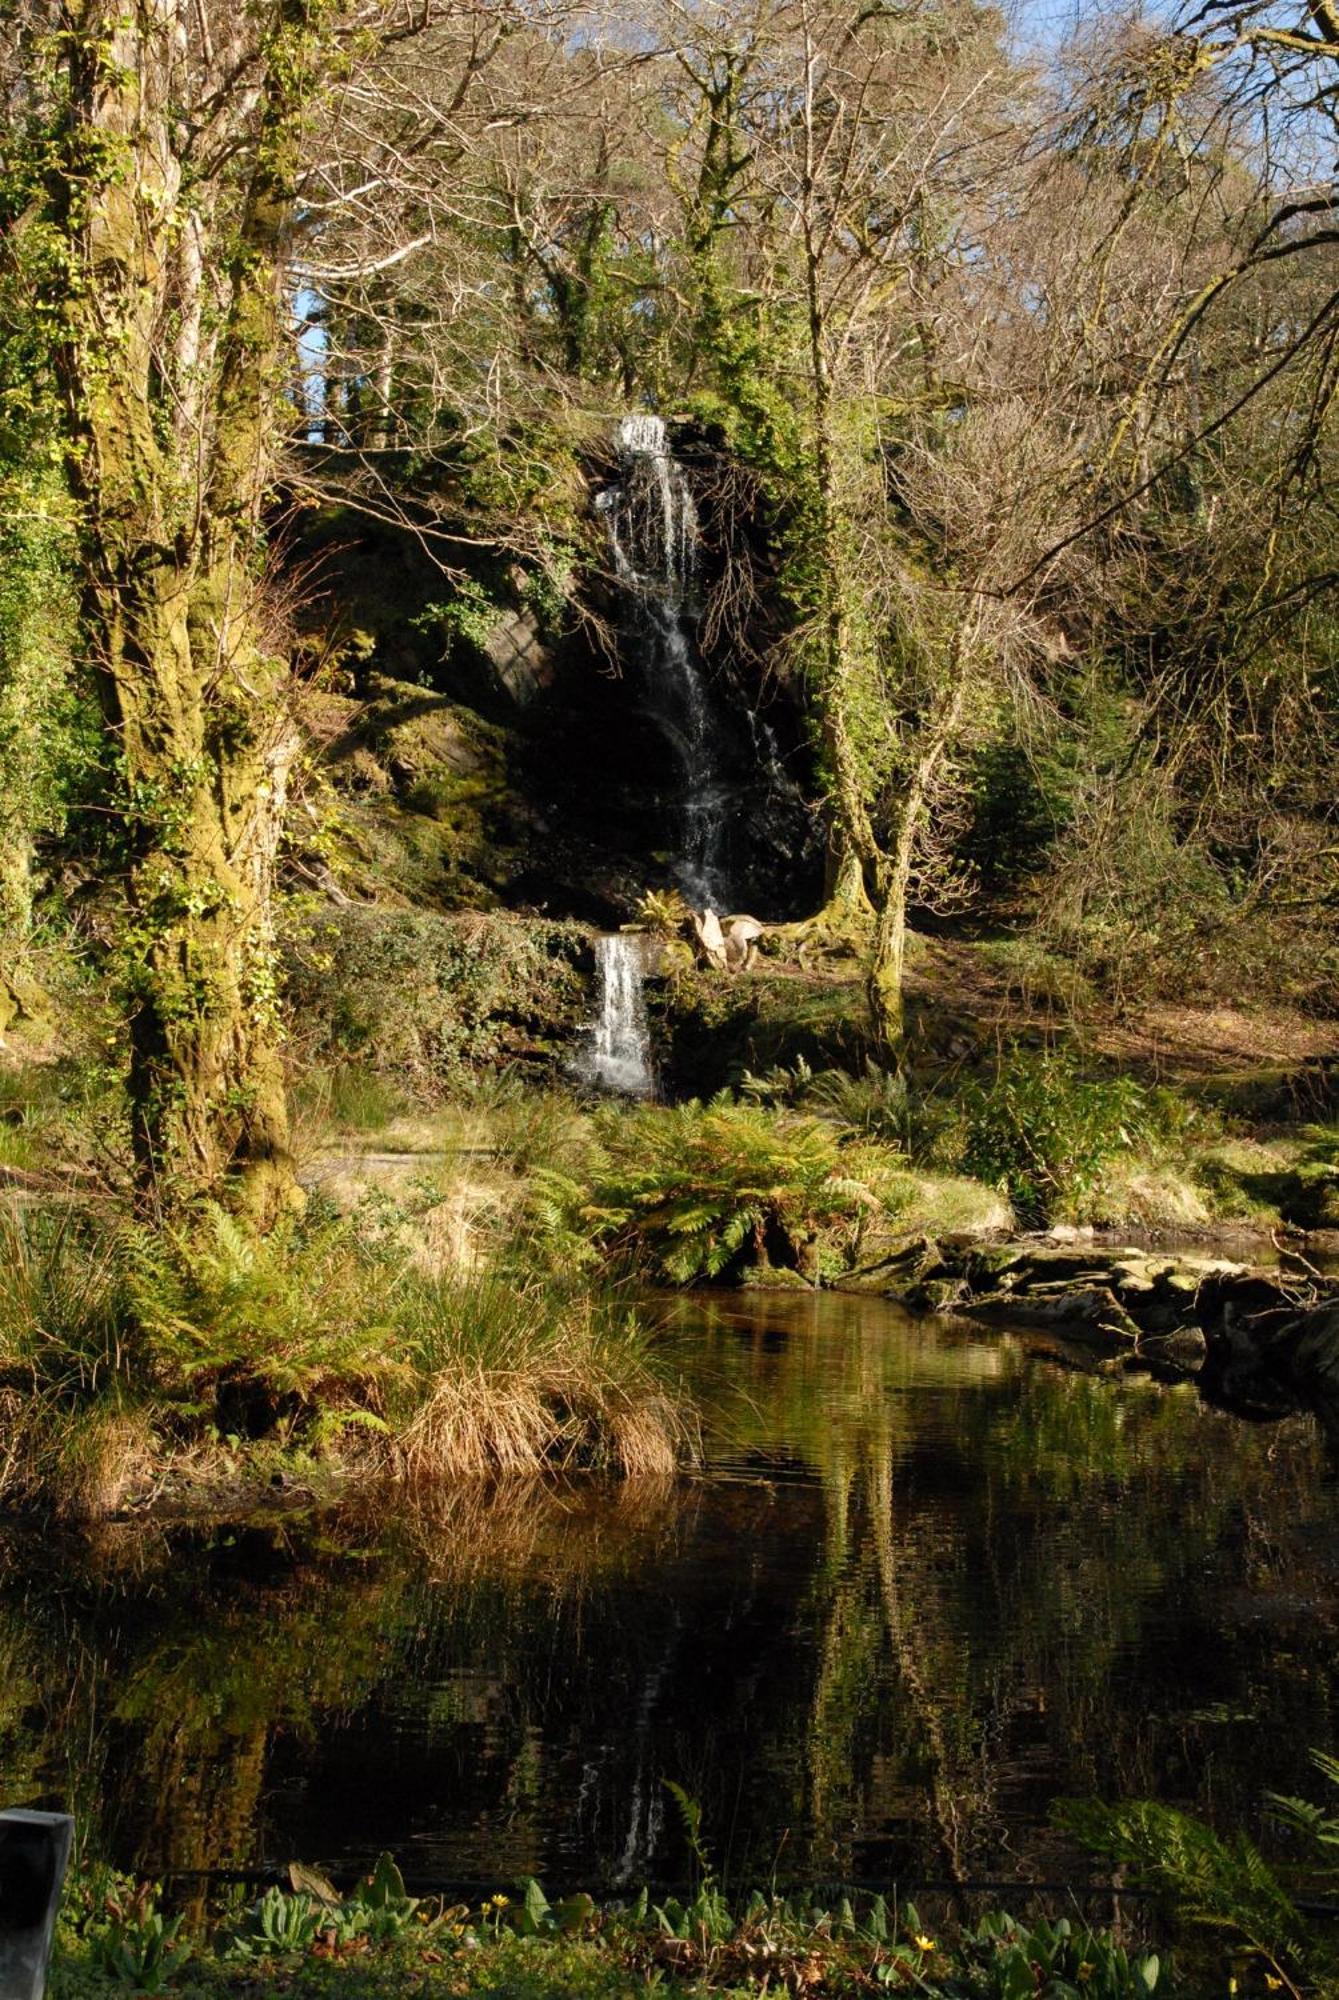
x: 928, y: 1580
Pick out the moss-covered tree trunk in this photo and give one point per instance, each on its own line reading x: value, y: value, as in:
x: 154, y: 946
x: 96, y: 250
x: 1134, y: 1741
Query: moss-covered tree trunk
x: 191, y: 692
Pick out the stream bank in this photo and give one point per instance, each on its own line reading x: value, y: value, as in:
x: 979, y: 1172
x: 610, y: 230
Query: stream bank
x: 1259, y: 1339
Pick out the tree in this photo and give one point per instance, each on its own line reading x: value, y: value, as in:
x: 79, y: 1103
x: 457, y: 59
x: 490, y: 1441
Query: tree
x: 179, y: 154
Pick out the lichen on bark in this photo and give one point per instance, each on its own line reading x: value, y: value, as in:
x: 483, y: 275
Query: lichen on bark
x: 172, y: 445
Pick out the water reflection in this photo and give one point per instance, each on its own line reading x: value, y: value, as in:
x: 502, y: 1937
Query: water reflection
x: 927, y: 1582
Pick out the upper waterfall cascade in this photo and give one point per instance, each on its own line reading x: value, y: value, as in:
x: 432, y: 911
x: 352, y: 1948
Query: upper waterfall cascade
x: 654, y: 540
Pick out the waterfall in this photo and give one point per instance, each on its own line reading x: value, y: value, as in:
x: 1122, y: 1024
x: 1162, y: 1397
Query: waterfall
x: 618, y: 1054
x: 652, y: 526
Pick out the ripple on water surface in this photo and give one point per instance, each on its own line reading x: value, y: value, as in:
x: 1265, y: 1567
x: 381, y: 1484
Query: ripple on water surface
x: 927, y: 1581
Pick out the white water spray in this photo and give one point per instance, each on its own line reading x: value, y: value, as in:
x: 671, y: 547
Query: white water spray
x: 618, y: 1056
x: 652, y: 526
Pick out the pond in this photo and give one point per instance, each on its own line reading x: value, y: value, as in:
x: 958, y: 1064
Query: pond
x: 928, y: 1579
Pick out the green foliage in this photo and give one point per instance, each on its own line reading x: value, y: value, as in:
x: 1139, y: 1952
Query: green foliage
x: 1312, y: 1199
x: 663, y: 912
x: 278, y: 1924
x: 1042, y: 1131
x: 121, y: 1347
x: 1039, y: 977
x: 41, y: 725
x: 1015, y: 814
x: 470, y: 615
x: 1312, y: 1823
x: 301, y: 1313
x: 691, y: 1190
x: 142, y: 1952
x: 1220, y: 1882
x: 1056, y: 1961
x: 287, y: 1923
x: 426, y: 997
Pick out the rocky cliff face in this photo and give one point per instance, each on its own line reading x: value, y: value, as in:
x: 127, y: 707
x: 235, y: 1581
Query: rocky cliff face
x: 483, y: 743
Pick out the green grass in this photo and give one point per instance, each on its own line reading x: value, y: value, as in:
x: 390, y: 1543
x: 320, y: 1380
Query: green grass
x: 129, y: 1357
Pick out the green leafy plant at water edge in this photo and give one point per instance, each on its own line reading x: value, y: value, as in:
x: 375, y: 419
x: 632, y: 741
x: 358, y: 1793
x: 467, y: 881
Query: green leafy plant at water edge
x: 1042, y: 1132
x: 1058, y: 1960
x: 281, y: 1923
x: 664, y: 913
x: 308, y: 1939
x: 694, y: 1189
x: 133, y: 1944
x: 1312, y: 1822
x: 1220, y: 1882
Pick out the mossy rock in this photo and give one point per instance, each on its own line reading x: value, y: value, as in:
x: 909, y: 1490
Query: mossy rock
x: 25, y: 1007
x: 711, y: 1027
x: 425, y: 811
x: 1312, y: 1197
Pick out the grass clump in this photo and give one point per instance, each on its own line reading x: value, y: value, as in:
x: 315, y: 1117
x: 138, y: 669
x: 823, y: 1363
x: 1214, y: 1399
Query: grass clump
x: 130, y: 1359
x: 512, y: 1373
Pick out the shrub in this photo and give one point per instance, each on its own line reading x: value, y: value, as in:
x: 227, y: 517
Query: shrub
x: 1042, y: 1132
x: 427, y: 997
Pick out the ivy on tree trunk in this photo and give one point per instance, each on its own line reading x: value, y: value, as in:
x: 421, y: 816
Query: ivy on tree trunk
x: 171, y: 362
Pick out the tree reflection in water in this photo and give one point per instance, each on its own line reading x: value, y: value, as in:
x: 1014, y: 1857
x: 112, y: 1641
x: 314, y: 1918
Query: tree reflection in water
x: 927, y: 1582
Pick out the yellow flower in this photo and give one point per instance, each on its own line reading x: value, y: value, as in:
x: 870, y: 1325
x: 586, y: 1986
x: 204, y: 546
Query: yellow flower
x: 499, y: 1902
x: 1272, y: 1983
x: 1231, y: 1985
x: 923, y: 1943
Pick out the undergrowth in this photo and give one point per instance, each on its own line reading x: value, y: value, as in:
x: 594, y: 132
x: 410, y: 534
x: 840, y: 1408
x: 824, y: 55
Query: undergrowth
x: 701, y: 1190
x: 129, y: 1356
x: 306, y: 1938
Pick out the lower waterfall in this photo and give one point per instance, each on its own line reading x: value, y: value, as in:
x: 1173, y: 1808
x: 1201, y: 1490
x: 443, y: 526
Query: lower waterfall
x: 618, y: 1052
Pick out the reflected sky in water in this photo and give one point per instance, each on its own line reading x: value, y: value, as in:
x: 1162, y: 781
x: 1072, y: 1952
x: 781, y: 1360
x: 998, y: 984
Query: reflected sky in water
x: 927, y: 1581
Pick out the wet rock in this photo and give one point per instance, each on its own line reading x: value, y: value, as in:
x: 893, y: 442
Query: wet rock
x: 1077, y: 1311
x: 936, y: 1295
x: 1183, y: 1348
x: 899, y: 1271
x: 520, y: 663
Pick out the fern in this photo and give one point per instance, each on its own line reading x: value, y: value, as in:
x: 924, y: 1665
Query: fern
x: 1311, y: 1821
x: 1222, y: 1884
x: 690, y: 1188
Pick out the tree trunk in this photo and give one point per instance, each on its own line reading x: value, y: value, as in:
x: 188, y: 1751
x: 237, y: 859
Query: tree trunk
x: 193, y: 697
x: 888, y: 959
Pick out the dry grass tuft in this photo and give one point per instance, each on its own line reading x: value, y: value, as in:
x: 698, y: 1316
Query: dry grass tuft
x: 514, y: 1378
x: 129, y: 1357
